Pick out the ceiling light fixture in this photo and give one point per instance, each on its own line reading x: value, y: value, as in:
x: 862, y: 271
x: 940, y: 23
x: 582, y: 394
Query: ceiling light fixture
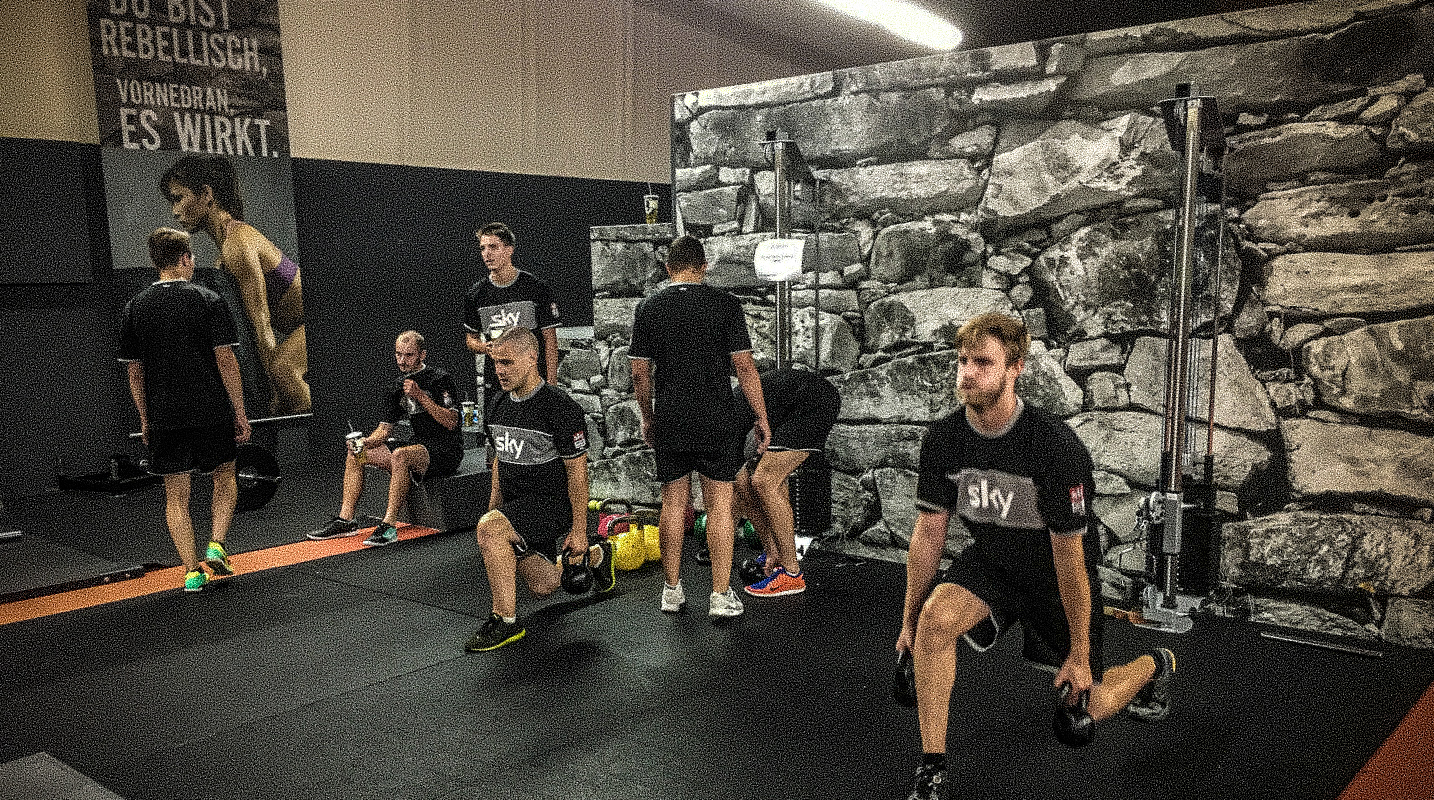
x: 907, y: 20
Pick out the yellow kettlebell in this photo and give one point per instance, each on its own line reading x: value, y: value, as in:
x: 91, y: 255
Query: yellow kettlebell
x: 628, y: 548
x: 652, y: 545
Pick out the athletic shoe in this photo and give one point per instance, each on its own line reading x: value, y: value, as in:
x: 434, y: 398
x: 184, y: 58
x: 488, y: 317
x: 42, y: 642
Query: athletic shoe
x: 605, y: 574
x: 673, y: 598
x: 335, y: 528
x: 195, y: 579
x: 217, y: 559
x: 725, y: 604
x: 494, y: 634
x: 1152, y: 702
x: 779, y: 584
x: 385, y: 533
x: 929, y: 783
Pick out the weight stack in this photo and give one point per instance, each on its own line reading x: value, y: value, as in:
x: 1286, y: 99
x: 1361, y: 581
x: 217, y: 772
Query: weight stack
x: 810, y: 488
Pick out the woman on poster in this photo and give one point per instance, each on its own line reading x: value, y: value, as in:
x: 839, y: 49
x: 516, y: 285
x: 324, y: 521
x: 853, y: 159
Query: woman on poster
x: 204, y: 193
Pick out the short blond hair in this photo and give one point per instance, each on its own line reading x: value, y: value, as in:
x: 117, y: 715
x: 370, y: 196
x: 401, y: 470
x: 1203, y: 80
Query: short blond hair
x: 1009, y: 331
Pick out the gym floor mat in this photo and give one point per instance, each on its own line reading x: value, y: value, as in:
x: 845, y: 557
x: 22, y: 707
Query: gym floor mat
x: 345, y: 678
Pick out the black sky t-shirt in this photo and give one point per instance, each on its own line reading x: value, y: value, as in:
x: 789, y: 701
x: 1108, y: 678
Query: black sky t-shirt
x: 531, y: 438
x: 490, y: 310
x: 173, y: 327
x: 1013, y: 490
x: 688, y: 332
x: 426, y: 430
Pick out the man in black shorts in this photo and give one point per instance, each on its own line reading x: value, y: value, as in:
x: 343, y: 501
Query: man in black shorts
x: 801, y: 408
x: 178, y: 340
x: 540, y: 489
x: 508, y: 297
x: 1021, y: 481
x: 693, y: 336
x: 427, y: 397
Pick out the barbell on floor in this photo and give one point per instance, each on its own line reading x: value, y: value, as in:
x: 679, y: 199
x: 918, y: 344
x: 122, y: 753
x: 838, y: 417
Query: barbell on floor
x: 256, y: 471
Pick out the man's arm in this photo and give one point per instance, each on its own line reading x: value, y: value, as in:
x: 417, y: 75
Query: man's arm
x: 928, y: 542
x: 495, y: 496
x: 577, y: 469
x: 550, y: 350
x: 234, y: 386
x: 751, y: 385
x: 476, y: 343
x: 1074, y: 585
x: 136, y: 391
x: 379, y: 435
x: 642, y: 390
x: 447, y: 417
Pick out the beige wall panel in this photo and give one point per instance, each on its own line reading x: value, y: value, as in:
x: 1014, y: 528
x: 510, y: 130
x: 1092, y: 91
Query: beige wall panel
x: 348, y: 79
x: 580, y: 89
x: 468, y: 67
x: 47, y: 89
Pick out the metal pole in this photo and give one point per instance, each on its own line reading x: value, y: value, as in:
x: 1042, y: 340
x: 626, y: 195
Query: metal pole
x: 783, y: 187
x: 1177, y: 376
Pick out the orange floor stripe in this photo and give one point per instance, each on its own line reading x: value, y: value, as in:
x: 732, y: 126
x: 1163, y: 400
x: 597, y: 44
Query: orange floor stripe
x: 1402, y: 768
x: 171, y: 578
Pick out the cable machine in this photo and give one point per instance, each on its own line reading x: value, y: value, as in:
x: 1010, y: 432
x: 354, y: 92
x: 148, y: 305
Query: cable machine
x: 1178, y: 520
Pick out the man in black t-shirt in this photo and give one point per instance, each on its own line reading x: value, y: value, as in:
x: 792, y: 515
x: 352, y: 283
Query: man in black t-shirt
x: 539, y: 495
x: 1021, y: 482
x: 689, y: 337
x: 427, y: 396
x: 177, y: 340
x: 508, y: 297
x: 802, y: 407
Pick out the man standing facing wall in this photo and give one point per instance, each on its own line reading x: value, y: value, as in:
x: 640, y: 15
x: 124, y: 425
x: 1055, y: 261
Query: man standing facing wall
x: 177, y: 341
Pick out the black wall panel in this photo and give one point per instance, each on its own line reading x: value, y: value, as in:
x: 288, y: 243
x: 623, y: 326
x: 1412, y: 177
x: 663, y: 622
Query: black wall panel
x: 383, y: 248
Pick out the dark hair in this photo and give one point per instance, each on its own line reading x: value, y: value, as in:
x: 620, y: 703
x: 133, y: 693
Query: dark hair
x: 686, y: 252
x: 1009, y: 332
x: 503, y: 232
x: 196, y: 172
x: 167, y: 246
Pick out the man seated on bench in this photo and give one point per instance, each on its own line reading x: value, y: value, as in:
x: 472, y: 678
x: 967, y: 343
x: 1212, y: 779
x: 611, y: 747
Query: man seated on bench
x: 426, y: 395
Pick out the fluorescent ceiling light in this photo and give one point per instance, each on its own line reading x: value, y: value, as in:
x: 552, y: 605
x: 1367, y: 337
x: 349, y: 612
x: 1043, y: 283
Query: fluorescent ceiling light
x: 907, y: 20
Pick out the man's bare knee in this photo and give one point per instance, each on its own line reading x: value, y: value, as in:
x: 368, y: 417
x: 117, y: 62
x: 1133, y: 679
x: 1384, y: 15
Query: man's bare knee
x: 950, y: 612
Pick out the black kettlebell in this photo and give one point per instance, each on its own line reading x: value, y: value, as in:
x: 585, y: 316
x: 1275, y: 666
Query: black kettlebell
x: 903, y: 683
x: 1073, y: 725
x: 577, y: 577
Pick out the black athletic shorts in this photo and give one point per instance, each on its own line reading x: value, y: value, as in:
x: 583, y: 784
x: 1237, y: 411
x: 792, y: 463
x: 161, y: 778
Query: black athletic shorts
x: 191, y: 449
x: 719, y: 465
x: 540, y: 522
x: 808, y: 425
x: 1038, y: 609
x: 443, y: 460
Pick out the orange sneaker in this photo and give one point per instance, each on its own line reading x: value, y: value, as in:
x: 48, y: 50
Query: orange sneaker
x: 779, y: 584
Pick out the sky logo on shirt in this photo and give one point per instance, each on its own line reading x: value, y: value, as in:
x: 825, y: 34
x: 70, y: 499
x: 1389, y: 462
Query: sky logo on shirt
x: 502, y: 320
x: 508, y: 445
x: 984, y: 496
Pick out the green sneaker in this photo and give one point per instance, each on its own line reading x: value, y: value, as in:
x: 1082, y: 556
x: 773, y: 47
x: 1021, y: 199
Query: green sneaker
x: 195, y: 579
x: 217, y: 559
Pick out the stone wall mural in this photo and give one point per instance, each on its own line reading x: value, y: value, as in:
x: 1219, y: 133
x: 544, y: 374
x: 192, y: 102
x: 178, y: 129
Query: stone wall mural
x: 1037, y: 180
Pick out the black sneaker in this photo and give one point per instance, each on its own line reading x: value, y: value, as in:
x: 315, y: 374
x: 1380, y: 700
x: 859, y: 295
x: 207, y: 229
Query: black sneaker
x: 494, y: 634
x: 335, y: 528
x: 605, y: 574
x: 929, y: 783
x: 385, y: 533
x: 1152, y: 702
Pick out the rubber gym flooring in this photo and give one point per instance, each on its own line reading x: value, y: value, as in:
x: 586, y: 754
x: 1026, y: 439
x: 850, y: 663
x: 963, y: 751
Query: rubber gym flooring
x: 344, y: 677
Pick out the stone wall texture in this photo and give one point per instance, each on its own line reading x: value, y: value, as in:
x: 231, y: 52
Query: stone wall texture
x: 1037, y: 180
